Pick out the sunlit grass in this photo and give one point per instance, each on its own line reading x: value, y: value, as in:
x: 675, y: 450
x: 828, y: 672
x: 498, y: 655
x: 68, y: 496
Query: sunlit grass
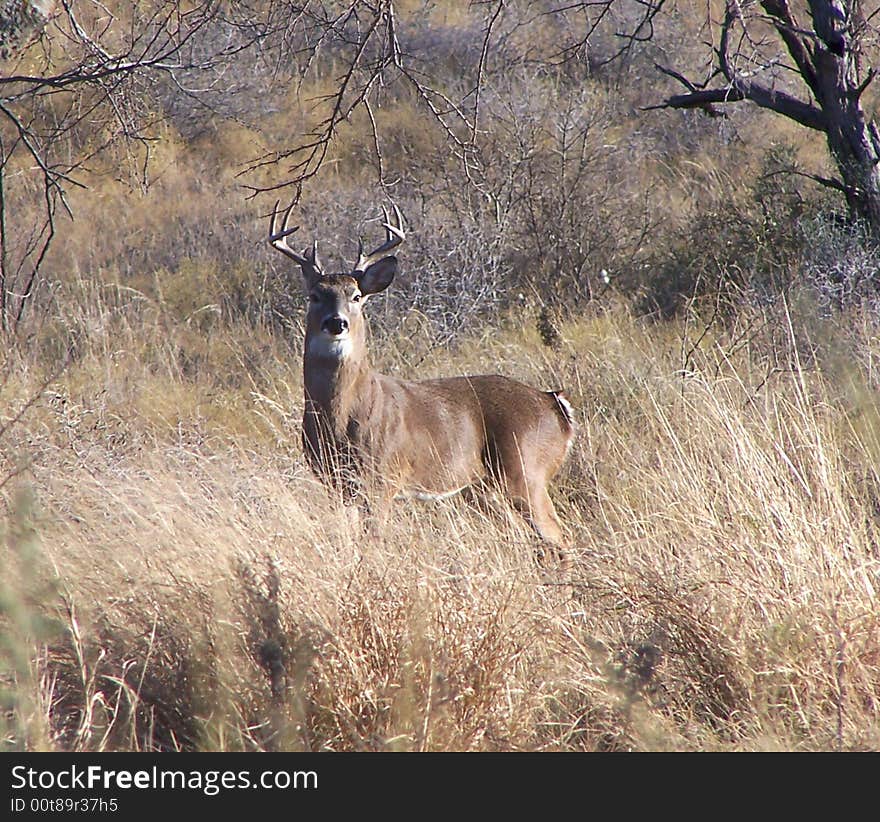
x: 211, y: 594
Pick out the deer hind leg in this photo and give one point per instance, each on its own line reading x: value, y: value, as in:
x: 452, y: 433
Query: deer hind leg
x: 527, y: 491
x: 533, y: 501
x: 542, y: 515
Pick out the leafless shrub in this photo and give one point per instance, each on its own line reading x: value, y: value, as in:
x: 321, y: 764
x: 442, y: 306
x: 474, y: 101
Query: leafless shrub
x: 79, y: 93
x: 841, y: 262
x: 738, y: 250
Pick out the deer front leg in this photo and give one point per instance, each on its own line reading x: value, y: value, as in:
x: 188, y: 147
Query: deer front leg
x: 375, y: 507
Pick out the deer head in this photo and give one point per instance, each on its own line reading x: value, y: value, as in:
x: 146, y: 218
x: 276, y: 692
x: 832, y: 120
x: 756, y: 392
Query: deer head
x: 334, y: 321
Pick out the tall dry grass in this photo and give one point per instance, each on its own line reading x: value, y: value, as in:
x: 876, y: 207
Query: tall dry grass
x: 185, y: 583
x: 172, y: 575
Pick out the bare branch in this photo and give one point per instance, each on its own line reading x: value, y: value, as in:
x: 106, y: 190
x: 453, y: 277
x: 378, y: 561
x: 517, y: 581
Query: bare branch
x: 308, y: 157
x: 481, y: 68
x: 90, y: 89
x: 780, y: 102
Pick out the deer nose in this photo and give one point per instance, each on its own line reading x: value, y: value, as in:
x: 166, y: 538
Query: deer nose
x: 336, y: 325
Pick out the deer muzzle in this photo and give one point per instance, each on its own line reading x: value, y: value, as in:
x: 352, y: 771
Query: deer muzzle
x: 336, y: 324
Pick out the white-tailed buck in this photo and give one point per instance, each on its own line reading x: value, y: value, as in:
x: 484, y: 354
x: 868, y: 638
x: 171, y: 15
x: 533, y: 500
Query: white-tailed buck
x: 363, y: 430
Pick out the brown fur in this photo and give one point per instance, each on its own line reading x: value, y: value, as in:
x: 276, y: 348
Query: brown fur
x: 396, y: 436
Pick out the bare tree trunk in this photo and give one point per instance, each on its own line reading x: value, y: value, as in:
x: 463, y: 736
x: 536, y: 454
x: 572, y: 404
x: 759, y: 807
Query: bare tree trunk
x: 3, y: 253
x: 827, y: 57
x: 853, y: 140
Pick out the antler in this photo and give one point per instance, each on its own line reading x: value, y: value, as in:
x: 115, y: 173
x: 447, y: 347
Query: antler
x: 309, y: 262
x: 394, y: 236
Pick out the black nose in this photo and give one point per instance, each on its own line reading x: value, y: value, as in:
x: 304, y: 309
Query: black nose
x: 335, y: 325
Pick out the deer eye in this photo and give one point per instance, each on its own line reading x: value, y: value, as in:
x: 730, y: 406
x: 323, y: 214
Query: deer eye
x: 356, y: 298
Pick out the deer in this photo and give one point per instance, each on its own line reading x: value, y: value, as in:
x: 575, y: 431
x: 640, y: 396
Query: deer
x: 426, y: 439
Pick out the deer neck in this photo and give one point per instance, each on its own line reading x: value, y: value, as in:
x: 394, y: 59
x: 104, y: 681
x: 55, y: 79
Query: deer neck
x: 338, y: 388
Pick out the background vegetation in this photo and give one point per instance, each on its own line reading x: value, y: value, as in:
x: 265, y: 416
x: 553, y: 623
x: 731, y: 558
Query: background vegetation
x: 172, y: 575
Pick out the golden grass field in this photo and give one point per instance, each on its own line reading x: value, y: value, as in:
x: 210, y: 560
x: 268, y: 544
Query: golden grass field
x: 177, y: 579
x: 172, y: 577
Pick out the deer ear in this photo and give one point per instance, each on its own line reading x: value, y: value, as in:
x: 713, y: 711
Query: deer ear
x: 378, y: 276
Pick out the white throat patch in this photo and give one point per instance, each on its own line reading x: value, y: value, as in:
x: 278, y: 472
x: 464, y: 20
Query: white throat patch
x: 337, y: 348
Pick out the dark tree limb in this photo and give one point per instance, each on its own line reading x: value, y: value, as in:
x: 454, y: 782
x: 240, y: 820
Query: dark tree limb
x: 780, y: 102
x: 826, y: 53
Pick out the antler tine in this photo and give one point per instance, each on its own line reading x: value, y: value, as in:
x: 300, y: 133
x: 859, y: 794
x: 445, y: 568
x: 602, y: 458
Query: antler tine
x: 278, y: 241
x: 394, y: 236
